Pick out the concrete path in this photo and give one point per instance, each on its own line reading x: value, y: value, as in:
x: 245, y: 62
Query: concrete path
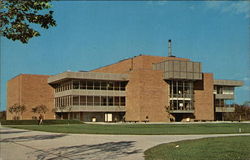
x: 17, y: 144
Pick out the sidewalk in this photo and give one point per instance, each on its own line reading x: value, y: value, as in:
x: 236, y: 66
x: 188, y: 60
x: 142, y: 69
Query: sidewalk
x: 17, y: 144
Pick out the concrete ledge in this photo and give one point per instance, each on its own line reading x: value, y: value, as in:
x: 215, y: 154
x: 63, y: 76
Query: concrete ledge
x: 87, y: 75
x: 224, y: 96
x: 90, y: 93
x: 181, y: 111
x: 94, y: 109
x: 234, y: 83
x: 224, y: 109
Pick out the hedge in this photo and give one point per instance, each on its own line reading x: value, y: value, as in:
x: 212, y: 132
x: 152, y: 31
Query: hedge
x: 35, y: 122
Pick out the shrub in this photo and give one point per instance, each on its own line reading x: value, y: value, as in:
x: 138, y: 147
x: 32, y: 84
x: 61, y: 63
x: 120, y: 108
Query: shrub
x: 35, y: 122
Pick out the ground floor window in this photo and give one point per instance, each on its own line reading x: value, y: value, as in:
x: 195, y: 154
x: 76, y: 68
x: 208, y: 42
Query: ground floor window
x: 92, y: 116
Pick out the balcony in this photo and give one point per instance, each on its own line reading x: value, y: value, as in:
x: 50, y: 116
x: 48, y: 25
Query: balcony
x: 224, y: 96
x: 181, y: 111
x: 76, y: 108
x: 224, y: 109
x: 90, y: 93
x: 175, y: 109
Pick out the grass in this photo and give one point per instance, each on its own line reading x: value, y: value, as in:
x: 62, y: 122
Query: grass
x: 220, y: 148
x: 142, y: 129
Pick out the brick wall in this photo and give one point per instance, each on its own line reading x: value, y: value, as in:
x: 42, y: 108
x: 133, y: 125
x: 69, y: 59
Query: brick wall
x: 135, y: 63
x: 146, y: 92
x: 204, y: 99
x: 13, y: 96
x: 30, y: 90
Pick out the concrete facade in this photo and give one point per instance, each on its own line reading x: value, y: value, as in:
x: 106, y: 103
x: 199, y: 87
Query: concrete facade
x: 141, y: 88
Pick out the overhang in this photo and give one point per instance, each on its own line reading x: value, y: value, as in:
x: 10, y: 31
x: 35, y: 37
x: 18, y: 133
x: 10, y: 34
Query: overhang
x: 177, y: 69
x: 87, y: 75
x: 234, y: 83
x: 224, y: 109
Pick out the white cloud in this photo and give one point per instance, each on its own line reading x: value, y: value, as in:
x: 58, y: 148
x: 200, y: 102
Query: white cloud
x: 246, y: 88
x: 239, y: 7
x: 246, y: 79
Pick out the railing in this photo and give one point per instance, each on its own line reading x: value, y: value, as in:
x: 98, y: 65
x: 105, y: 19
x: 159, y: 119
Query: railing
x: 224, y: 109
x: 180, y: 95
x: 92, y: 109
x: 224, y: 96
x: 182, y: 108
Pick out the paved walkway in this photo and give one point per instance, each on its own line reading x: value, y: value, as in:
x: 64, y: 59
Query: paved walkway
x: 17, y: 144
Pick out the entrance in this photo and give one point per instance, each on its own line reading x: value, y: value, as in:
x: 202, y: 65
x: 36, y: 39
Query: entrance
x: 108, y: 117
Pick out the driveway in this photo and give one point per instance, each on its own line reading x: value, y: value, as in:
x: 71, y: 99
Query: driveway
x: 17, y: 144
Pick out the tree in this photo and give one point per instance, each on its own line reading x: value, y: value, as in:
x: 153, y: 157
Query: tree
x: 62, y: 108
x: 40, y: 109
x: 17, y: 110
x: 16, y: 15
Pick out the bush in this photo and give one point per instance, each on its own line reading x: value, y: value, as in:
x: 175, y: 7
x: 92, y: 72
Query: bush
x: 35, y: 122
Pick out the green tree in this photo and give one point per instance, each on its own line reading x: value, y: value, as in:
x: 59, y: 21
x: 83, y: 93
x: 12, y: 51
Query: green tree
x: 40, y: 109
x: 62, y: 108
x: 17, y: 110
x: 17, y: 15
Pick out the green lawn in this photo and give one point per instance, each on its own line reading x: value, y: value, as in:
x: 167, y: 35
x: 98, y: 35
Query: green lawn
x: 142, y: 129
x: 221, y: 148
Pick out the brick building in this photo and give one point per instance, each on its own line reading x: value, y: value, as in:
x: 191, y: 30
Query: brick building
x: 142, y: 88
x: 30, y: 90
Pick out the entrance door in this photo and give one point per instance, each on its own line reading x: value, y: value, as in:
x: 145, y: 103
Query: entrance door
x: 108, y: 117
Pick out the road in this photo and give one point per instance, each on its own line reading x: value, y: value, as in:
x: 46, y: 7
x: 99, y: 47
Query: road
x: 18, y: 144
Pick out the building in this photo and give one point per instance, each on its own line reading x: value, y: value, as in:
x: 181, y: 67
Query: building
x: 30, y: 90
x: 142, y: 88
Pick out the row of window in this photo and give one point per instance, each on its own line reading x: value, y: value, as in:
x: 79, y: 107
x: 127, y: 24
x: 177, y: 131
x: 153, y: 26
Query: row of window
x: 90, y: 101
x: 182, y: 89
x: 91, y: 85
x: 223, y: 90
x: 222, y: 103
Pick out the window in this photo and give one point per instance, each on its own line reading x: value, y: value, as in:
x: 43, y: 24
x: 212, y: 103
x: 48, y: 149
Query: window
x: 122, y: 101
x: 76, y: 85
x: 83, y: 85
x: 123, y: 85
x: 111, y: 101
x: 90, y: 100
x: 90, y: 85
x: 110, y: 85
x: 97, y: 101
x: 97, y: 85
x: 83, y: 100
x: 75, y: 100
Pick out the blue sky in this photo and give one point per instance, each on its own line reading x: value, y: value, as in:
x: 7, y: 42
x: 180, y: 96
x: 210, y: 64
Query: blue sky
x: 93, y: 34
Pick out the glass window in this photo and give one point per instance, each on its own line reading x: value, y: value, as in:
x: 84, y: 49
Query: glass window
x: 116, y: 86
x: 103, y: 85
x: 76, y: 85
x: 90, y: 85
x: 110, y: 85
x: 117, y: 101
x: 97, y: 85
x: 123, y: 101
x: 123, y: 85
x: 75, y: 100
x: 83, y: 100
x: 97, y: 100
x: 103, y: 101
x: 83, y: 84
x: 90, y: 100
x: 110, y: 101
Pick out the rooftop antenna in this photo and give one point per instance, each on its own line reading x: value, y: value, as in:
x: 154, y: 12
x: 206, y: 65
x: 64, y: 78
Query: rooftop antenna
x: 169, y: 48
